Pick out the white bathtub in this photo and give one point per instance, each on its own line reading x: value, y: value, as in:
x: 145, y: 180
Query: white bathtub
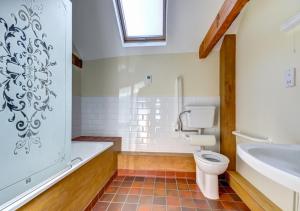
x: 82, y: 152
x: 280, y: 163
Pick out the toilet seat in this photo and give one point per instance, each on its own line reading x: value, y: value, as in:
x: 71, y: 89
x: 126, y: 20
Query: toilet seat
x: 211, y: 158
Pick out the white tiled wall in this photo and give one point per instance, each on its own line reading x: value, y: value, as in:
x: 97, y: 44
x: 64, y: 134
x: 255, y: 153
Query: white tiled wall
x: 76, y: 116
x: 144, y: 123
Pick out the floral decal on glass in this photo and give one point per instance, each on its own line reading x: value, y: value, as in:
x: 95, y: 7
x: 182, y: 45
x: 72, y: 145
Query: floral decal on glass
x: 25, y: 75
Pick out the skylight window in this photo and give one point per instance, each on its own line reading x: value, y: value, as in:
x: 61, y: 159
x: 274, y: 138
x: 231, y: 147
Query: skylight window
x: 142, y: 20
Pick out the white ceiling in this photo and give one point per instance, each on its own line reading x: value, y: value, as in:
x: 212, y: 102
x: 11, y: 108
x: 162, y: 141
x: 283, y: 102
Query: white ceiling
x: 96, y: 34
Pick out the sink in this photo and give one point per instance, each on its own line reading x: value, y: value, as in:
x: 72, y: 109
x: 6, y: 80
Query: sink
x: 280, y: 163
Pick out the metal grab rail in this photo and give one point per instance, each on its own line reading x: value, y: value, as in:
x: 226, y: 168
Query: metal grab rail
x: 251, y: 138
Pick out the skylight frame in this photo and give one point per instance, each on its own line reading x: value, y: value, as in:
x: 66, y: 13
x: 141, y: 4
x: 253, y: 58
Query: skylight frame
x: 139, y: 40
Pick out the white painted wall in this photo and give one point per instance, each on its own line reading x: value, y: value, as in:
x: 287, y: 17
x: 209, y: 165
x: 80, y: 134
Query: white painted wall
x: 107, y: 77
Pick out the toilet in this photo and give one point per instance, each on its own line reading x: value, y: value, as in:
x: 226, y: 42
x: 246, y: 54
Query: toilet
x: 209, y: 164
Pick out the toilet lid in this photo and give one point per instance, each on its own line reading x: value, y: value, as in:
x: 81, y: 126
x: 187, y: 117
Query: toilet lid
x: 211, y: 157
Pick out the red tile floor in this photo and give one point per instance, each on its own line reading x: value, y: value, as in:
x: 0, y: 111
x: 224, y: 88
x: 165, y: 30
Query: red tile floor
x: 133, y: 193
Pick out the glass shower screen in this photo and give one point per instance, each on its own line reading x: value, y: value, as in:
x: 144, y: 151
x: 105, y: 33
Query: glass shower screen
x: 35, y: 93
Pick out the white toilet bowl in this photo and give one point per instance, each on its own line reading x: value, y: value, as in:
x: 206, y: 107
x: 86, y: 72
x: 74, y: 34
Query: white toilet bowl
x: 208, y: 166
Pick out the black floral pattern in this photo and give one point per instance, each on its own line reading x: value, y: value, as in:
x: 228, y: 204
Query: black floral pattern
x: 25, y: 75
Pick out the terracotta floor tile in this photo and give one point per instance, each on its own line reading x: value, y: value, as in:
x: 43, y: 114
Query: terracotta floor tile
x: 146, y: 200
x: 119, y: 178
x: 116, y: 183
x: 194, y: 187
x: 185, y: 194
x: 187, y: 203
x: 149, y: 185
x: 133, y: 199
x: 171, y: 186
x: 188, y: 209
x: 228, y: 205
x: 172, y: 193
x: 197, y: 195
x: 111, y: 189
x: 159, y: 208
x: 181, y: 181
x: 129, y: 179
x: 137, y: 184
x: 115, y: 207
x: 191, y: 181
x: 100, y: 206
x: 173, y: 208
x: 215, y: 204
x: 145, y: 207
x: 123, y: 190
x: 183, y: 186
x: 191, y: 175
x: 119, y: 198
x: 160, y: 180
x: 135, y: 191
x: 161, y: 174
x: 173, y: 201
x: 140, y: 193
x: 160, y: 192
x: 139, y: 179
x: 160, y: 185
x: 149, y: 180
x: 160, y: 201
x: 106, y: 197
x: 126, y: 184
x: 226, y: 197
x: 147, y: 192
x: 201, y: 204
x: 171, y: 181
x: 129, y: 207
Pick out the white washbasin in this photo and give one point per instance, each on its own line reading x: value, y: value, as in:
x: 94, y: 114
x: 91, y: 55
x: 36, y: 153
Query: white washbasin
x: 280, y: 163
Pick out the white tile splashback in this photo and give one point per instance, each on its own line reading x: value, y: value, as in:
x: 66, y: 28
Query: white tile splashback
x: 145, y: 123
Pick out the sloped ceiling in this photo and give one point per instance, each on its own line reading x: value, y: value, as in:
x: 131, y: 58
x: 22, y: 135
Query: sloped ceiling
x: 96, y: 34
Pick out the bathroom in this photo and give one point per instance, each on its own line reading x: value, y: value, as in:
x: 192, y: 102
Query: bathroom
x: 158, y: 105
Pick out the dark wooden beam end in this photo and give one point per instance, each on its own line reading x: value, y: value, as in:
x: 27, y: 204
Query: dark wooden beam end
x: 76, y: 61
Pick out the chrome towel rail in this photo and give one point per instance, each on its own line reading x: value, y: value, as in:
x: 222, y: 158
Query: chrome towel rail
x: 251, y: 138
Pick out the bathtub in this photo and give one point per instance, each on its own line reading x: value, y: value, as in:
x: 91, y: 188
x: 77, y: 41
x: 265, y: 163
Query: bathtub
x: 280, y: 163
x: 81, y: 153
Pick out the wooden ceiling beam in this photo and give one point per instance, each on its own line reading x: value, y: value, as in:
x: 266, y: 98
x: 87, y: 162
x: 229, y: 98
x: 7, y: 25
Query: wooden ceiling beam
x: 226, y: 16
x: 76, y: 61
